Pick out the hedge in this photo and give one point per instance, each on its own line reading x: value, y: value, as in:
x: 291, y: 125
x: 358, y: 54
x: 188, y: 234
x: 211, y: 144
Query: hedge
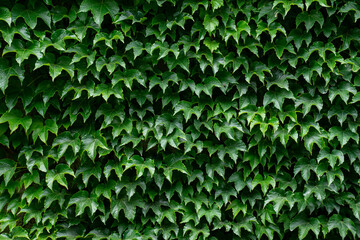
x: 179, y: 119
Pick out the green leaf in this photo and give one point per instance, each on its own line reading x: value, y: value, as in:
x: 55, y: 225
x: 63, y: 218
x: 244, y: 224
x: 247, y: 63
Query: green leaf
x: 307, y: 101
x: 89, y: 170
x: 351, y: 6
x: 9, y: 32
x: 310, y: 18
x: 304, y: 166
x: 82, y: 200
x: 305, y: 225
x: 210, y: 23
x: 92, y: 141
x: 236, y: 206
x: 58, y: 175
x: 287, y: 4
x: 174, y: 162
x: 212, y: 45
x: 7, y: 169
x: 342, y: 135
x: 31, y: 15
x: 322, y: 3
x: 56, y: 66
x: 277, y: 97
x: 65, y: 140
x: 8, y: 70
x: 140, y: 165
x: 23, y: 51
x: 342, y: 224
x: 343, y: 89
x: 263, y: 182
x: 128, y: 206
x: 5, y: 15
x: 99, y: 9
x: 137, y: 48
x: 15, y: 118
x: 278, y: 197
x: 332, y: 157
x: 217, y: 4
x: 41, y: 130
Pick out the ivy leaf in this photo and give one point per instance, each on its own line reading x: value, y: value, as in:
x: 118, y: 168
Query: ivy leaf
x: 210, y: 23
x: 56, y: 66
x: 332, y: 157
x: 128, y: 206
x: 9, y: 32
x: 31, y: 15
x: 299, y: 37
x: 304, y: 166
x: 82, y: 200
x: 342, y: 135
x: 89, y: 170
x: 287, y: 4
x: 137, y: 48
x: 263, y: 182
x: 5, y: 15
x: 92, y: 141
x: 310, y: 18
x: 65, y: 140
x: 217, y: 4
x: 305, y: 225
x: 307, y: 101
x: 212, y: 45
x: 81, y: 51
x: 315, y: 137
x: 7, y: 169
x: 278, y: 197
x: 342, y: 113
x: 140, y: 165
x: 99, y: 9
x: 351, y: 6
x: 236, y: 206
x: 174, y: 162
x: 342, y: 224
x: 7, y: 71
x: 23, y: 51
x: 15, y: 118
x: 58, y: 175
x: 210, y: 213
x: 322, y: 3
x: 41, y: 130
x: 343, y: 90
x: 277, y: 97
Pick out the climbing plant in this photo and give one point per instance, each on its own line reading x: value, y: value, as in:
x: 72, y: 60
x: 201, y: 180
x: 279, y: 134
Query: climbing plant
x: 179, y: 119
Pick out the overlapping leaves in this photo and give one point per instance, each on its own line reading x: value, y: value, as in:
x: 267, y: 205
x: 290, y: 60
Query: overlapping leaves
x: 179, y: 119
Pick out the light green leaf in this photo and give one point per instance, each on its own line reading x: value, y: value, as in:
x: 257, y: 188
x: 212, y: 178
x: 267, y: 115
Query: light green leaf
x: 210, y: 23
x: 15, y: 118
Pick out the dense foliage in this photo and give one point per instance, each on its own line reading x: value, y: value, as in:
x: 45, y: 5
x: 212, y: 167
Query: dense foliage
x: 179, y: 119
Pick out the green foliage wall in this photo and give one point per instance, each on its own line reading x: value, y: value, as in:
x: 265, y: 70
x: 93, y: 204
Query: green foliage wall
x: 179, y: 119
